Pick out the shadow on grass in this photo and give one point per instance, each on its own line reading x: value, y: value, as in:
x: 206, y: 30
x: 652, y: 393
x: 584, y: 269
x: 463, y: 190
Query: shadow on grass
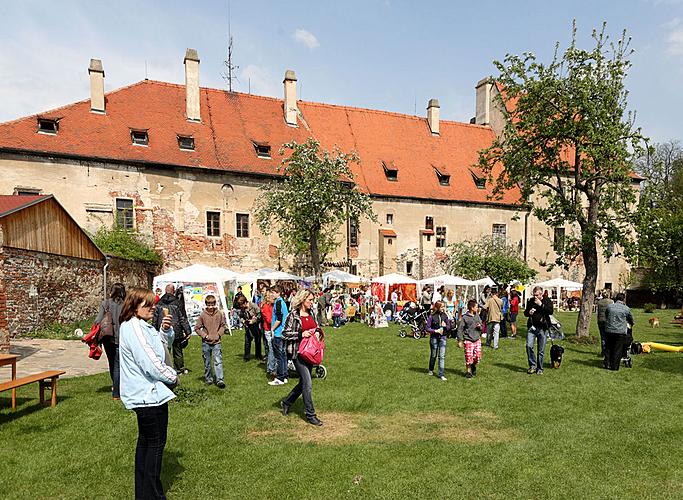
x: 511, y: 367
x: 666, y: 365
x: 104, y: 388
x: 172, y: 469
x: 595, y: 363
x: 8, y: 415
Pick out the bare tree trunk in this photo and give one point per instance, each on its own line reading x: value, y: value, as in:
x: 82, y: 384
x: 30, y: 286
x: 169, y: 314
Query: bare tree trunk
x: 315, y: 256
x: 590, y: 262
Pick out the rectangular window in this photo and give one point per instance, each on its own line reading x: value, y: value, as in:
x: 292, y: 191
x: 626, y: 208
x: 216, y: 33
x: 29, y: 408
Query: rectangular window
x: 480, y: 182
x: 186, y: 143
x: 19, y: 191
x: 353, y: 233
x: 124, y: 213
x: 499, y: 234
x: 46, y: 126
x: 262, y: 150
x: 390, y: 241
x: 139, y: 137
x: 558, y: 239
x: 441, y: 237
x: 213, y: 223
x: 242, y: 225
x: 390, y: 219
x: 429, y: 222
x: 608, y: 286
x: 354, y: 269
x: 409, y: 267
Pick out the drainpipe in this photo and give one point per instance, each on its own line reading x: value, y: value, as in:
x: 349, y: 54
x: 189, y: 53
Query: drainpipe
x: 526, y: 230
x: 104, y: 281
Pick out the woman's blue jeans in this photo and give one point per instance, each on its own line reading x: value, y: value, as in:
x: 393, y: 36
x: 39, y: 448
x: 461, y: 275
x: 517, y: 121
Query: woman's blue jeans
x: 437, y: 346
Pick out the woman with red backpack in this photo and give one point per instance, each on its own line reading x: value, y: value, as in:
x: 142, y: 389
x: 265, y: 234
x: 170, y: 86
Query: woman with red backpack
x: 108, y: 319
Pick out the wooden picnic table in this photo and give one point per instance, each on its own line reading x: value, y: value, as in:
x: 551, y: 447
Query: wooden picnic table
x: 11, y: 359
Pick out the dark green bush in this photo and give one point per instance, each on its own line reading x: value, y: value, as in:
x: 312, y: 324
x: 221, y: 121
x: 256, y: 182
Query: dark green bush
x: 125, y: 244
x: 649, y: 307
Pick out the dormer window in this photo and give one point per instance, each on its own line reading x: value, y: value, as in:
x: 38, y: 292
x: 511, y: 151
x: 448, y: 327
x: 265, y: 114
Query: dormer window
x: 444, y: 178
x: 390, y: 171
x: 139, y: 137
x: 262, y: 150
x: 186, y: 143
x: 46, y: 126
x: 480, y: 182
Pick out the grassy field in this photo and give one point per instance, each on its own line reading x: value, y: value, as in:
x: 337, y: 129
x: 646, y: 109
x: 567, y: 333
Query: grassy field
x: 390, y: 431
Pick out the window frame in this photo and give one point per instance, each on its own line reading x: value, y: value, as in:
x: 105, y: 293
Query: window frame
x: 48, y: 131
x: 211, y: 225
x: 429, y: 222
x: 262, y: 150
x: 444, y: 179
x: 182, y: 138
x: 440, y: 237
x: 558, y: 241
x: 409, y: 267
x: 139, y: 142
x: 390, y: 172
x: 390, y: 219
x: 499, y: 237
x: 354, y: 231
x: 239, y: 226
x: 118, y: 219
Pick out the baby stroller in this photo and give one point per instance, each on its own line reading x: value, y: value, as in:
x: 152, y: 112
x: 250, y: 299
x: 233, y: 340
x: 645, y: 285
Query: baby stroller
x: 318, y: 371
x: 413, y: 317
x: 629, y: 348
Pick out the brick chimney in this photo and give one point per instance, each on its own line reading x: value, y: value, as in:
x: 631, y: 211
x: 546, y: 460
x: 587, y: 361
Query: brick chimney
x: 96, y: 86
x: 290, y: 107
x: 484, y: 96
x: 433, y: 110
x: 191, y: 63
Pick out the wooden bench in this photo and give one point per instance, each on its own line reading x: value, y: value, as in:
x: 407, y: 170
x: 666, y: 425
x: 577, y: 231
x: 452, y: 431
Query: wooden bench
x: 46, y: 379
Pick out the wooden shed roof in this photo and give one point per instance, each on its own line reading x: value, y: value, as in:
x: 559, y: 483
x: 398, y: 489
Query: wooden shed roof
x: 41, y: 224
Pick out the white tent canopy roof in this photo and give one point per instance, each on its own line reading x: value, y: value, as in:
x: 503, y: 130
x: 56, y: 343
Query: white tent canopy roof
x: 197, y: 273
x: 265, y: 274
x: 485, y: 281
x: 561, y: 283
x: 448, y: 280
x: 394, y: 278
x: 337, y: 276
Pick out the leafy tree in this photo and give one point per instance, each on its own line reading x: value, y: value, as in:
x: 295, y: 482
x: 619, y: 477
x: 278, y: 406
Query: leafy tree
x: 315, y: 197
x: 659, y: 219
x: 488, y: 257
x: 568, y: 145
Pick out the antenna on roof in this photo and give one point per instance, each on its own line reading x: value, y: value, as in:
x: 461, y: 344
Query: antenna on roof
x: 145, y: 69
x: 230, y: 67
x: 415, y: 105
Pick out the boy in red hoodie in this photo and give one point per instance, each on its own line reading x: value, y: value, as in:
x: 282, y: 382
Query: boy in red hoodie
x: 210, y: 327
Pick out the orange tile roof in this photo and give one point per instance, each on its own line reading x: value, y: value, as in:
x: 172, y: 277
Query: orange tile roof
x: 388, y: 232
x: 232, y: 122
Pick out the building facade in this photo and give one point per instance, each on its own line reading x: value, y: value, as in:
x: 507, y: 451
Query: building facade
x: 183, y: 165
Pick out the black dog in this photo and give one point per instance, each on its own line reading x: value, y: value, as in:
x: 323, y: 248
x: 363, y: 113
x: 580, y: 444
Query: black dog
x: 556, y: 352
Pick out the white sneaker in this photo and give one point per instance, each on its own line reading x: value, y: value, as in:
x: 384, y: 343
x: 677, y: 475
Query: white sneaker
x: 276, y: 381
x: 285, y: 381
x: 430, y: 373
x: 443, y: 379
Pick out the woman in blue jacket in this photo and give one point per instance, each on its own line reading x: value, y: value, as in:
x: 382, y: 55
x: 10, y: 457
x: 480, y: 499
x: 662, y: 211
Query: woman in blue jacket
x: 145, y: 379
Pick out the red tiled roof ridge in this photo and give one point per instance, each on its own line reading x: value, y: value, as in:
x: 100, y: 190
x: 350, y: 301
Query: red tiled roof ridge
x: 49, y: 112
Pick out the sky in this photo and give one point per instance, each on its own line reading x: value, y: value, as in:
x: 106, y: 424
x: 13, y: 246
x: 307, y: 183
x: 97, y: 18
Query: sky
x: 382, y: 54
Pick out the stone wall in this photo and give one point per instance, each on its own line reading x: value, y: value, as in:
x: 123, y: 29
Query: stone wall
x: 38, y: 288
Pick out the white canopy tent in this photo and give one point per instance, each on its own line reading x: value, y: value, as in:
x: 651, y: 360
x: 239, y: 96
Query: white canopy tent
x: 265, y: 273
x: 446, y: 280
x: 198, y: 274
x: 393, y: 279
x: 560, y: 283
x: 337, y: 276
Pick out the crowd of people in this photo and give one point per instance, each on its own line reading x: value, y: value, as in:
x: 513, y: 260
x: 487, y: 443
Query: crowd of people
x: 149, y: 334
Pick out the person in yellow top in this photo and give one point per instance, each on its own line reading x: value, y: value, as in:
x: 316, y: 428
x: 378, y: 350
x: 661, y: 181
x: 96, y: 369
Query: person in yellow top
x: 494, y: 308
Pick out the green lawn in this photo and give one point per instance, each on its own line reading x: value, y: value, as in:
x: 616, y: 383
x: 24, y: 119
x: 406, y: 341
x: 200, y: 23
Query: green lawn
x: 391, y: 431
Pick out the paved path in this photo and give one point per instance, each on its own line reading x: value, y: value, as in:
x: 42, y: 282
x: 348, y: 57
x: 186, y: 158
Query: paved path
x: 37, y: 355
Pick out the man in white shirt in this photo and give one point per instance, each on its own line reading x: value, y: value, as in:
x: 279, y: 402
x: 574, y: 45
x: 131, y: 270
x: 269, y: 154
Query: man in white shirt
x: 438, y: 295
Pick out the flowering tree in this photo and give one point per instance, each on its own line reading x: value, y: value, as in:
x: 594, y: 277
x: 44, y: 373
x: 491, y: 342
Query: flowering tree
x: 488, y: 257
x: 315, y: 197
x: 568, y: 145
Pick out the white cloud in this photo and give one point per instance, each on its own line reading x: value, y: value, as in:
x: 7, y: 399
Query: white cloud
x: 674, y: 40
x: 258, y: 80
x: 307, y: 38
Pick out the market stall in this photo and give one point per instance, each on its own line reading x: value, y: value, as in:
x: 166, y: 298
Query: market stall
x: 198, y: 281
x: 560, y: 284
x: 447, y: 280
x: 249, y: 281
x: 405, y: 286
